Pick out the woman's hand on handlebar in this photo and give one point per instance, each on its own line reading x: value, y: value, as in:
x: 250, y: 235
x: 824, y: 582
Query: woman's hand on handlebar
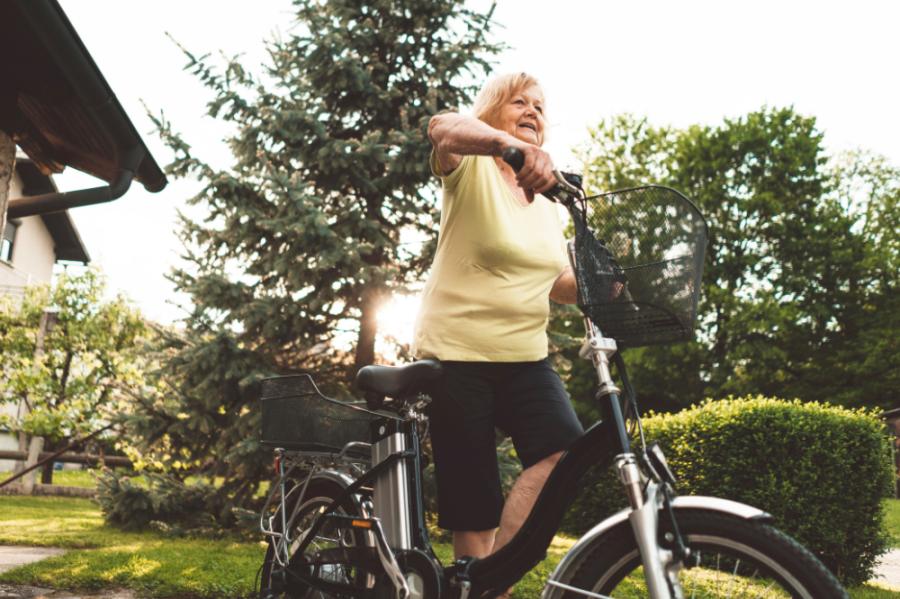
x: 536, y: 170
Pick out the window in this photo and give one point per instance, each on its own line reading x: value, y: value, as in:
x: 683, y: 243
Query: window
x: 9, y: 238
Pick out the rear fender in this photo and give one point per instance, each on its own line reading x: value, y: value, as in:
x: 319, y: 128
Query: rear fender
x: 341, y: 479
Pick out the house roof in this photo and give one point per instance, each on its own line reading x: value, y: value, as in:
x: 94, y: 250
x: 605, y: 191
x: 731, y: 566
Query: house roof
x: 57, y: 105
x: 66, y: 240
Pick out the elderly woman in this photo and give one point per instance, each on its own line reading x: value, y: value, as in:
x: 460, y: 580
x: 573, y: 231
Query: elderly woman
x: 500, y: 258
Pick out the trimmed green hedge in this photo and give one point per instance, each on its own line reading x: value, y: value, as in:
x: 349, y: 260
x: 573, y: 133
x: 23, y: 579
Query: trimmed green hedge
x: 820, y: 470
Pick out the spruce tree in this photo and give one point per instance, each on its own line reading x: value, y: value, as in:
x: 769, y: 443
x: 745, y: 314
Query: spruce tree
x: 302, y: 237
x: 331, y: 165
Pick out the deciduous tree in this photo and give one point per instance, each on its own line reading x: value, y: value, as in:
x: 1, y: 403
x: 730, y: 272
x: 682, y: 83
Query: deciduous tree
x: 74, y: 376
x: 801, y: 272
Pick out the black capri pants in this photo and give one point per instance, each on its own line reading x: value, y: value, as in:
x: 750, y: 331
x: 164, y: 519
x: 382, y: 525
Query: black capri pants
x: 526, y: 400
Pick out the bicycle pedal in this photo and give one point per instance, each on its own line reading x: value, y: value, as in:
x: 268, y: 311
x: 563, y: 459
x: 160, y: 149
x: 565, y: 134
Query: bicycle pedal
x: 343, y: 521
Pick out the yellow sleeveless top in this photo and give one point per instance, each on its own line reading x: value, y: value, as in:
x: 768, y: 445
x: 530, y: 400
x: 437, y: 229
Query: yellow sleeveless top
x: 487, y: 298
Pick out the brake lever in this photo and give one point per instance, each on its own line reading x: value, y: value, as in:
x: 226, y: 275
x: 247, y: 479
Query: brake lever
x: 570, y: 182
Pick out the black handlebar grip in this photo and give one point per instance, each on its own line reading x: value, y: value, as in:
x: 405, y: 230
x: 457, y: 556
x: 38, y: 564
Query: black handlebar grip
x: 514, y: 158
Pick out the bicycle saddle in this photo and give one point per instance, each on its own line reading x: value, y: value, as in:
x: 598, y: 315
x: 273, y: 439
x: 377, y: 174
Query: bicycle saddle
x: 396, y: 381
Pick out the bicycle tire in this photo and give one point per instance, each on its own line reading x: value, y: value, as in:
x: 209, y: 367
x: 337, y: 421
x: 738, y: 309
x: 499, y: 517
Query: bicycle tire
x: 760, y: 560
x: 318, y: 494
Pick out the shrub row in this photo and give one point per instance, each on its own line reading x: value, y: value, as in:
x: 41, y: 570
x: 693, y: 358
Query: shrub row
x: 822, y: 472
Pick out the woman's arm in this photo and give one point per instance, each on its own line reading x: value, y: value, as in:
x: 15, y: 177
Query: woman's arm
x: 565, y: 288
x: 454, y: 136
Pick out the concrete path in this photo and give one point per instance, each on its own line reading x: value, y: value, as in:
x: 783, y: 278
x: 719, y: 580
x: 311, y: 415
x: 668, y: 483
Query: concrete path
x: 888, y: 570
x: 13, y: 557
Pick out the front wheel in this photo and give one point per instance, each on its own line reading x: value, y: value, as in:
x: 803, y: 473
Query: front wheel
x: 730, y: 557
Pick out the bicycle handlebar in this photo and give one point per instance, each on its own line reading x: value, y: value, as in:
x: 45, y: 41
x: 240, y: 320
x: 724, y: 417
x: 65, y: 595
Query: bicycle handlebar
x: 516, y: 159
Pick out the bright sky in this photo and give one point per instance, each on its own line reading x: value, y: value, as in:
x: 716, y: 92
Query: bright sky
x: 676, y: 62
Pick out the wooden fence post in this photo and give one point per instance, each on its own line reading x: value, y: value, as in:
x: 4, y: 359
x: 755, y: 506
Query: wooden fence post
x: 34, y: 452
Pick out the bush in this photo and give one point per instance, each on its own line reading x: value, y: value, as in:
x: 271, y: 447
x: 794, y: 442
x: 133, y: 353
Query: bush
x: 164, y: 503
x: 820, y: 470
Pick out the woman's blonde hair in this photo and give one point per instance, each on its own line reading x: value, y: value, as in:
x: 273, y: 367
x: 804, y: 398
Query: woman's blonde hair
x: 497, y: 92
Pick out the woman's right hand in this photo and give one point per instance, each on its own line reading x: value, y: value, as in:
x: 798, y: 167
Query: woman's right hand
x: 537, y: 169
x: 536, y: 173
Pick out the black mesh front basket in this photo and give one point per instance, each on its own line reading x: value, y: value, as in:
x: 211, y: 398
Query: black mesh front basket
x: 296, y: 416
x: 639, y: 261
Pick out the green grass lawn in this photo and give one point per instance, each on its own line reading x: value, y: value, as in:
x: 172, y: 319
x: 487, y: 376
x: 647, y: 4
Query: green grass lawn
x: 87, y: 478
x: 892, y: 520
x: 75, y: 478
x: 160, y: 566
x: 106, y: 557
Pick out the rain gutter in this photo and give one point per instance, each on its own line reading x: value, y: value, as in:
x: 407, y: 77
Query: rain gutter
x: 53, y: 28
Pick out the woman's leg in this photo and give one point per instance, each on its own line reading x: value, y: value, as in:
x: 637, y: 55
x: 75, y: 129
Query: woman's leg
x: 469, y: 496
x: 535, y: 410
x: 521, y: 499
x: 475, y: 543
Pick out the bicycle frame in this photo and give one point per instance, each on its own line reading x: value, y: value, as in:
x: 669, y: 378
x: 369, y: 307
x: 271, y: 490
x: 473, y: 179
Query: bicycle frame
x: 528, y: 546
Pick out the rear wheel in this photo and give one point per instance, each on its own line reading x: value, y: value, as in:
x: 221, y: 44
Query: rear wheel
x: 730, y: 557
x: 279, y: 573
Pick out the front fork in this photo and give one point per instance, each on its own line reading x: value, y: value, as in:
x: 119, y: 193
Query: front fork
x: 660, y: 565
x: 645, y: 497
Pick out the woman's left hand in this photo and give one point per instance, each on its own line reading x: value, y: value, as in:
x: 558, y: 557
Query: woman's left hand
x: 565, y: 288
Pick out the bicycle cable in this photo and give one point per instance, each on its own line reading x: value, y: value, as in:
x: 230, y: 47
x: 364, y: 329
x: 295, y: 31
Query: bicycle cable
x: 632, y: 413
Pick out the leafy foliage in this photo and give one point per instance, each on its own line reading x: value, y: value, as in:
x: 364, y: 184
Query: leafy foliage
x: 794, y: 460
x: 90, y: 357
x: 799, y: 295
x: 161, y: 501
x: 305, y: 234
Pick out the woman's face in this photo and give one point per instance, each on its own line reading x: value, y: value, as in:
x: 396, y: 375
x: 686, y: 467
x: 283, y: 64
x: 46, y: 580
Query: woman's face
x: 523, y: 116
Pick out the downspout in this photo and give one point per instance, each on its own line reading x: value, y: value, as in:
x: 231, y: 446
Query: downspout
x: 63, y: 200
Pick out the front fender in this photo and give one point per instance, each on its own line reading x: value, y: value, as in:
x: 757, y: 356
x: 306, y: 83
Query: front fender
x: 689, y: 502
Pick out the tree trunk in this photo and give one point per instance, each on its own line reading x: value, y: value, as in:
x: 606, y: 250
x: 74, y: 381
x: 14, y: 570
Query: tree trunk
x: 368, y: 328
x: 47, y: 472
x: 47, y: 469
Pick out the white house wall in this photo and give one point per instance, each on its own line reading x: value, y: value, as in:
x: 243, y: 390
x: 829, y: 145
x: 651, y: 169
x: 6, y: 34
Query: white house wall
x: 33, y: 251
x: 32, y: 263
